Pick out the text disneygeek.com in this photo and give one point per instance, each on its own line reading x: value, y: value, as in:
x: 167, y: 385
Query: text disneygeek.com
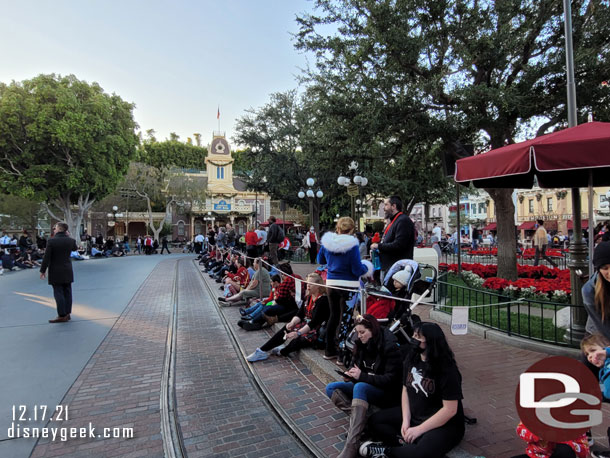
x: 22, y: 414
x: 62, y: 433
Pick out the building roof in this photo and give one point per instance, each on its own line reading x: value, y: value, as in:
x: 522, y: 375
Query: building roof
x: 239, y: 184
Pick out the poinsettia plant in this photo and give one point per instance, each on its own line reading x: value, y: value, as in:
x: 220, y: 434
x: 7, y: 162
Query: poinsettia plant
x: 536, y: 282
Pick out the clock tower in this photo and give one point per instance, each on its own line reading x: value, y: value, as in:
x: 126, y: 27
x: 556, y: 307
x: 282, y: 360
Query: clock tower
x: 219, y: 165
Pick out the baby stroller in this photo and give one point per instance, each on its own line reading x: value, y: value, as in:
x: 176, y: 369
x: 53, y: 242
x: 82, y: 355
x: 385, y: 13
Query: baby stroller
x: 401, y: 319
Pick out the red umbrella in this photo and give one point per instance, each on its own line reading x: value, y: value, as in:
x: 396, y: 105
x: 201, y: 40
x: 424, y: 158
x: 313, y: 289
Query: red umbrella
x: 560, y: 159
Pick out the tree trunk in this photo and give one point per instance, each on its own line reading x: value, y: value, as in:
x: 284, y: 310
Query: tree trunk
x: 72, y: 219
x: 156, y: 230
x: 507, y: 241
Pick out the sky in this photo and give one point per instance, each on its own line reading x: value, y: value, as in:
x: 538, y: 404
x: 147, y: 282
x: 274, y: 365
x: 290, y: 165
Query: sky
x: 178, y: 61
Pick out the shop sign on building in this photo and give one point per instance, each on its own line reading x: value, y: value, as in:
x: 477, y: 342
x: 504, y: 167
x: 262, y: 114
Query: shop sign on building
x: 222, y: 206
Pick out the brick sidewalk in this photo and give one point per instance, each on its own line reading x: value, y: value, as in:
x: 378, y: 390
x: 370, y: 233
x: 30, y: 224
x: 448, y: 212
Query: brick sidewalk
x: 220, y: 413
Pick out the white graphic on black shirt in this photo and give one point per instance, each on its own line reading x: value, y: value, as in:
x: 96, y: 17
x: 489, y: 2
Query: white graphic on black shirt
x: 417, y: 379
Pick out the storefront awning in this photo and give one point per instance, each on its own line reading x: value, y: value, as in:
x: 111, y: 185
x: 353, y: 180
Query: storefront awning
x: 490, y: 227
x: 527, y: 226
x: 584, y: 223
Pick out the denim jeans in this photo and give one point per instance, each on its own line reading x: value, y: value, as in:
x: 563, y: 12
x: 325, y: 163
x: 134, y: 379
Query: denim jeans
x: 358, y: 390
x: 254, y: 312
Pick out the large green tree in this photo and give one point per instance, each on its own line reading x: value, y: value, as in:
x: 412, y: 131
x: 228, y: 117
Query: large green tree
x: 484, y: 71
x: 159, y: 177
x: 65, y: 142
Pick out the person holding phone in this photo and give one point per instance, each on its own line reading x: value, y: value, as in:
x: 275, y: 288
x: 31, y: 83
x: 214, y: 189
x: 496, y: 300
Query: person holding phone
x: 374, y: 378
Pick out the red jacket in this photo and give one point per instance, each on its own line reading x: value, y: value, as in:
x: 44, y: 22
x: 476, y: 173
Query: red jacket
x: 242, y: 276
x: 252, y: 238
x: 379, y: 307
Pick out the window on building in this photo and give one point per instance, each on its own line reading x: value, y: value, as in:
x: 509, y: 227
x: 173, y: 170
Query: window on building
x: 531, y: 205
x: 220, y: 173
x: 181, y: 228
x: 482, y: 208
x: 549, y: 204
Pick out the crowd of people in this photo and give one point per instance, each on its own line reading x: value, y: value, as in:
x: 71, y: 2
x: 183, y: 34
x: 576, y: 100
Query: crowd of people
x: 24, y: 252
x: 415, y: 387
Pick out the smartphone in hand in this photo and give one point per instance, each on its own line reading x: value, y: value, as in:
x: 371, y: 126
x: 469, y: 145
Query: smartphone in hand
x: 345, y: 375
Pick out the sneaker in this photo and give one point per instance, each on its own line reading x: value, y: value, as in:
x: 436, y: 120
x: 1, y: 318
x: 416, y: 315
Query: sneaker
x: 599, y: 453
x: 373, y: 449
x: 222, y: 299
x: 242, y: 311
x: 276, y: 351
x: 258, y: 355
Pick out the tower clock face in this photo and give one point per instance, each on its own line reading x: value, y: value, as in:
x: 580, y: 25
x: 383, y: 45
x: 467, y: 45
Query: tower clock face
x: 220, y: 146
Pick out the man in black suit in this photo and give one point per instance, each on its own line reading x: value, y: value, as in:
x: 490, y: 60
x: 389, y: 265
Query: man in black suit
x: 57, y: 260
x: 398, y: 238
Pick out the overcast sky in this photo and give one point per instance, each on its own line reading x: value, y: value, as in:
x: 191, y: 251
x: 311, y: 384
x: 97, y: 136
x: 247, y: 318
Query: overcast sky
x: 177, y: 61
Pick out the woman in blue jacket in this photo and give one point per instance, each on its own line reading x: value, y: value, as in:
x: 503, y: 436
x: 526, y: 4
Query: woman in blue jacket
x: 339, y: 251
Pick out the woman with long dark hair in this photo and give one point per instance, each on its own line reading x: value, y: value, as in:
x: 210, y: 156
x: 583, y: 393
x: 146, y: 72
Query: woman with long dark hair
x: 596, y: 293
x: 430, y: 420
x: 374, y: 378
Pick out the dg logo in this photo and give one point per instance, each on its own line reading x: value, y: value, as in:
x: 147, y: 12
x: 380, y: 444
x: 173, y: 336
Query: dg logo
x: 558, y: 399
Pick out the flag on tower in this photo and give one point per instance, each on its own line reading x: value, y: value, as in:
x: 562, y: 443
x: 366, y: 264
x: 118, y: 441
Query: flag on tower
x: 218, y: 113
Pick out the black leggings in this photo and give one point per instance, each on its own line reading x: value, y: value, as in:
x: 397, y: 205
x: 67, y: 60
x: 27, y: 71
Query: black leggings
x: 336, y: 299
x: 278, y: 339
x: 385, y: 426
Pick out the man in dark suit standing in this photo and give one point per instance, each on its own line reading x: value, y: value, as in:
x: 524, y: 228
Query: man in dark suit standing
x: 57, y: 260
x: 398, y: 238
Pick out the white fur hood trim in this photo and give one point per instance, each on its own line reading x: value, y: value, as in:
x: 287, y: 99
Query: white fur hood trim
x: 339, y: 243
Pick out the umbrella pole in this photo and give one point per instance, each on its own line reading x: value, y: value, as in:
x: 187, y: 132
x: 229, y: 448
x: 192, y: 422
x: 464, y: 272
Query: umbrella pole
x: 591, y: 223
x: 459, y: 230
x: 578, y: 250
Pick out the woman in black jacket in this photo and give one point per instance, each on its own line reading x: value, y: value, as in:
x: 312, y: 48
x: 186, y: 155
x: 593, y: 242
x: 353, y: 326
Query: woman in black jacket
x: 303, y: 330
x: 374, y: 378
x: 430, y: 420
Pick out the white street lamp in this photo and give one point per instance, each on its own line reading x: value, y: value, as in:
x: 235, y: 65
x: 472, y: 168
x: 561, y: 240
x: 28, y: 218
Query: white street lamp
x: 319, y: 194
x: 310, y: 193
x: 341, y: 180
x: 301, y: 194
x: 310, y: 182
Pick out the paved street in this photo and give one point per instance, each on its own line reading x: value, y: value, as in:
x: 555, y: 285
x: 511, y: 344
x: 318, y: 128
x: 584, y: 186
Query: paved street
x: 40, y: 361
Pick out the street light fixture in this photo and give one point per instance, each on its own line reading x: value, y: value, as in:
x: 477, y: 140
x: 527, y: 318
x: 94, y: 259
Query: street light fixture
x: 310, y: 193
x: 114, y: 216
x: 353, y: 184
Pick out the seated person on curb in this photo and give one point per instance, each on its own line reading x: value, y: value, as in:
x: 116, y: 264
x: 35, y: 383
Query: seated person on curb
x: 283, y: 303
x: 8, y: 260
x: 284, y: 297
x: 228, y: 266
x: 254, y: 313
x: 373, y: 379
x: 430, y: 420
x: 302, y: 331
x: 259, y: 286
x: 235, y: 281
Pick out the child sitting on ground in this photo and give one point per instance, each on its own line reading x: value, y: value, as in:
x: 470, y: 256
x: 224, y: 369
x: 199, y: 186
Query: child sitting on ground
x: 540, y: 448
x: 596, y: 349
